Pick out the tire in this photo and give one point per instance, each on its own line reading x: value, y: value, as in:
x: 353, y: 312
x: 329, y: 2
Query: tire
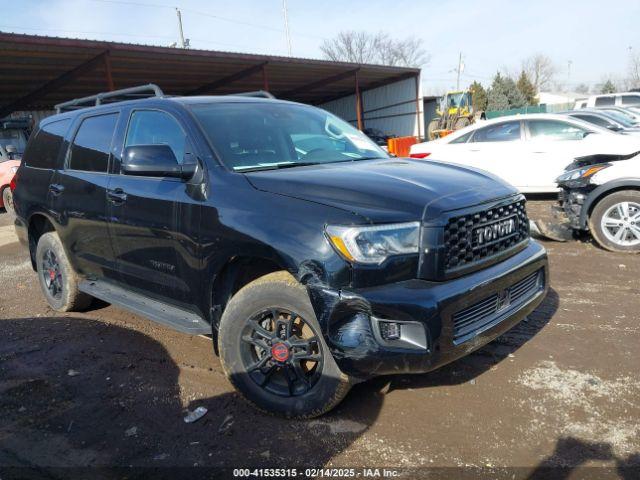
x: 461, y: 123
x: 290, y: 387
x: 58, y: 281
x: 432, y: 127
x: 7, y: 200
x: 623, y: 208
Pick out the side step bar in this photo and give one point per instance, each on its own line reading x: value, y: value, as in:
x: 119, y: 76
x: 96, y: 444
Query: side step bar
x: 168, y: 315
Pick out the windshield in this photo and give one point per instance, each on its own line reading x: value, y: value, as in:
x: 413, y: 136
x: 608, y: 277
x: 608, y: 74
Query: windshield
x: 620, y: 118
x: 258, y: 136
x: 13, y: 137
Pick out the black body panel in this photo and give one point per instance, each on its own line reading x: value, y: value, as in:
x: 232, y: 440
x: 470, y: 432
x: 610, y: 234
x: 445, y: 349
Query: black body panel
x: 141, y: 239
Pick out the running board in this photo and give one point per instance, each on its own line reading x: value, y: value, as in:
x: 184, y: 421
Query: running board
x: 168, y: 315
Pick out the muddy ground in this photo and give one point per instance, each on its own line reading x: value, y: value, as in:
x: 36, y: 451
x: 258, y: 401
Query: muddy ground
x: 107, y: 388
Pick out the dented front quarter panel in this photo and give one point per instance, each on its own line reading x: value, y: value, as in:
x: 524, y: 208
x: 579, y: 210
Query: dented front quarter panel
x: 345, y: 316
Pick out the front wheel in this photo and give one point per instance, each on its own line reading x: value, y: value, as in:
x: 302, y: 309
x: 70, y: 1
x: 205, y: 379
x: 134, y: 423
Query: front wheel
x: 273, y: 352
x: 615, y: 222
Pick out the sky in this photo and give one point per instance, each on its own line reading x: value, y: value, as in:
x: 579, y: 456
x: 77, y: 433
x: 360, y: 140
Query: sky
x: 596, y: 37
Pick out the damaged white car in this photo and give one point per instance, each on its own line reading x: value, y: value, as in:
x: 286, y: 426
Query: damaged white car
x: 601, y: 194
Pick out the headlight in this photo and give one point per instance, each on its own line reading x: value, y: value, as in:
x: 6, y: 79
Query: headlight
x: 374, y: 244
x: 581, y: 173
x: 13, y: 169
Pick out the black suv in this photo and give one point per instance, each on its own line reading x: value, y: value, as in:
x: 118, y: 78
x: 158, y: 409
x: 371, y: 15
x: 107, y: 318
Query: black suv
x: 312, y: 258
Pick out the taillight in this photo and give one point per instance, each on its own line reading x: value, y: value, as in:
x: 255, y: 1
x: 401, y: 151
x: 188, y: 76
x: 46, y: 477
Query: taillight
x: 419, y: 155
x: 14, y: 182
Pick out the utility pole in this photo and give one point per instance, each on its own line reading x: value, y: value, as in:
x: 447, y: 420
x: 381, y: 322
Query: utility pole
x: 182, y: 44
x: 286, y: 25
x: 460, y: 68
x: 569, y: 63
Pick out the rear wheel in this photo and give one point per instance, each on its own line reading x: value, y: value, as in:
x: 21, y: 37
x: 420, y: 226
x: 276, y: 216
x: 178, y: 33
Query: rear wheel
x: 7, y: 200
x: 615, y: 222
x: 58, y: 281
x: 461, y: 123
x: 273, y: 352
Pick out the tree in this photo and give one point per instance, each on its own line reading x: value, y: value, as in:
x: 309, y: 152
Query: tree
x: 608, y: 87
x: 540, y: 69
x: 365, y: 47
x: 527, y: 89
x: 479, y: 96
x: 504, y: 94
x: 496, y: 96
x: 582, y: 88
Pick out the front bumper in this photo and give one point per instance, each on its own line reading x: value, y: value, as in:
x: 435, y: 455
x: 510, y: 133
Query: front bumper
x: 571, y: 202
x: 345, y: 316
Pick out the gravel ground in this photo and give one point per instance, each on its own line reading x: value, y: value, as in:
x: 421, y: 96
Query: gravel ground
x: 106, y: 388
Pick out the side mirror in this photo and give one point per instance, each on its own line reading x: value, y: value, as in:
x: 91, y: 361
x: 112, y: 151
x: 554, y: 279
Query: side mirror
x: 614, y: 128
x: 154, y: 161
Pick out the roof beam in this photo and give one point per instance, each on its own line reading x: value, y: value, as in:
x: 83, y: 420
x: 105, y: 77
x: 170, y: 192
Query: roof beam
x: 54, y: 84
x: 247, y: 72
x: 320, y: 83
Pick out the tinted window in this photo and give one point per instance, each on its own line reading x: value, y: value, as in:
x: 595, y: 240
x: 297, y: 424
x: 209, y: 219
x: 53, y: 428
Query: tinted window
x: 630, y: 99
x: 502, y: 132
x: 150, y: 127
x: 554, y: 130
x: 90, y: 149
x: 44, y: 146
x: 463, y: 139
x: 594, y: 119
x: 605, y: 101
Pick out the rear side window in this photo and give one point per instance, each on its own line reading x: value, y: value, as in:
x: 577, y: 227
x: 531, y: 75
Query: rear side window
x: 605, y: 101
x: 42, y: 151
x: 555, y: 130
x: 502, y: 132
x: 462, y: 139
x: 594, y: 119
x: 630, y: 99
x: 90, y: 149
x: 152, y: 127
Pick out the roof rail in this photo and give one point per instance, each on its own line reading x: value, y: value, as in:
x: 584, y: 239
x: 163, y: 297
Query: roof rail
x: 143, y: 91
x: 257, y: 93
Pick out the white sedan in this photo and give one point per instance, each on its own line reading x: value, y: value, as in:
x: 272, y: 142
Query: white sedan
x: 529, y: 151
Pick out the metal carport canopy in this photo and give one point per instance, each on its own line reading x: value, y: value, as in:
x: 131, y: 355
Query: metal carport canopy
x: 39, y: 72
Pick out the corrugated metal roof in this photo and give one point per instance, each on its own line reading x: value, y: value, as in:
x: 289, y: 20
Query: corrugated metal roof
x: 41, y: 71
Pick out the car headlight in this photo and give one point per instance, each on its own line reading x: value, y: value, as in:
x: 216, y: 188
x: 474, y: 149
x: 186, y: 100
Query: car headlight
x: 13, y: 169
x: 374, y: 244
x: 581, y: 173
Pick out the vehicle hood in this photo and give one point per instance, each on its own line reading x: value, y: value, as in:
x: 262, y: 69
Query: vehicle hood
x: 600, y: 158
x: 387, y: 190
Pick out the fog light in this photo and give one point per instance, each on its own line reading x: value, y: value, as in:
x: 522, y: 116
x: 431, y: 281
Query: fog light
x: 390, y: 330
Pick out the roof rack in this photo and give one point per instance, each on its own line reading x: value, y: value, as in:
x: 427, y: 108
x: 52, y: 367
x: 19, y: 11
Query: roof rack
x: 257, y: 93
x: 143, y: 91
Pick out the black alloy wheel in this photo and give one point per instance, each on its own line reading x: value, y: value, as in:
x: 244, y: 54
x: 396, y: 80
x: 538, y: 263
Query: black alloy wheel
x: 281, y: 352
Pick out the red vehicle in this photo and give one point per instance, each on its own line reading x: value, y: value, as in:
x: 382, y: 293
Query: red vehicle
x: 13, y: 140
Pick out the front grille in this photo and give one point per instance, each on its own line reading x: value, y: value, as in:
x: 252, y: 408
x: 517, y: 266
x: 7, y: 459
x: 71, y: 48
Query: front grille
x: 466, y: 246
x: 482, y: 313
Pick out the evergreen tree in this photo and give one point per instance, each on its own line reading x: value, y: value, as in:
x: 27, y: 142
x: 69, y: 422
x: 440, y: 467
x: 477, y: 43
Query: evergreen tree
x: 479, y: 95
x: 608, y: 87
x: 528, y: 89
x: 514, y: 96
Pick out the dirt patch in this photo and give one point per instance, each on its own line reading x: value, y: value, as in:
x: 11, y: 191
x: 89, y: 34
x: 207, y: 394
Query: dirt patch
x: 561, y: 389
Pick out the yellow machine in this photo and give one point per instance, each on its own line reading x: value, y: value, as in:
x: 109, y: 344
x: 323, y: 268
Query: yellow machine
x: 455, y: 112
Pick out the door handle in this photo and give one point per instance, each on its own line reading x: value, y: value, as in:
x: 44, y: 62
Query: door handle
x: 56, y: 189
x: 117, y: 196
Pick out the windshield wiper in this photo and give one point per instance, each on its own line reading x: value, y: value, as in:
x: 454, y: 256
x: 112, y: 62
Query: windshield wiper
x: 276, y: 166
